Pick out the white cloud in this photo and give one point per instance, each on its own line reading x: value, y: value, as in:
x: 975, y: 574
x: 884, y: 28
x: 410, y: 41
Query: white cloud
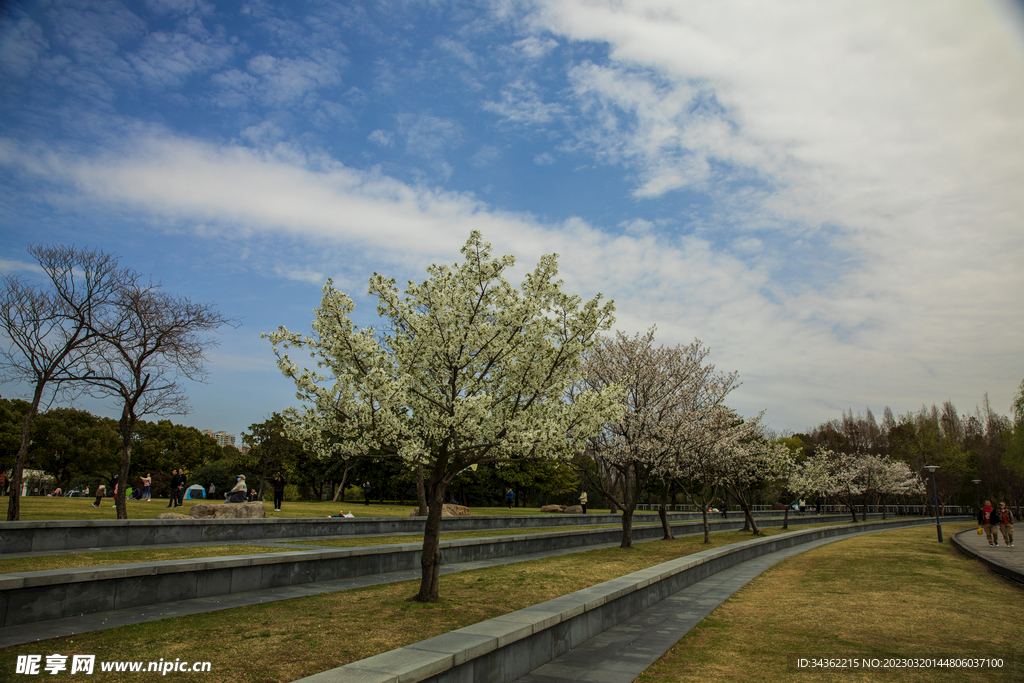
x: 300, y: 274
x: 277, y: 81
x: 520, y: 103
x: 543, y: 159
x: 485, y: 156
x: 533, y: 47
x: 382, y: 138
x: 429, y: 136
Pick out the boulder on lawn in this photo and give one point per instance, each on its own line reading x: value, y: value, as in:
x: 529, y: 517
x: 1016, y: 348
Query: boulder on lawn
x: 229, y: 511
x: 552, y: 508
x: 447, y: 510
x: 573, y: 510
x: 778, y: 506
x: 172, y: 515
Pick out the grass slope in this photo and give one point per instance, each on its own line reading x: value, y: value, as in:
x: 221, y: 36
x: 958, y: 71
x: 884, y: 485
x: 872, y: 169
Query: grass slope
x: 897, y: 593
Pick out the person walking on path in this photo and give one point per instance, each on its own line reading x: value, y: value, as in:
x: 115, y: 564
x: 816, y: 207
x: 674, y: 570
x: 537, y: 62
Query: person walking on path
x: 725, y: 509
x: 101, y: 491
x: 278, y: 483
x: 366, y: 492
x: 986, y: 520
x: 147, y: 482
x: 509, y: 497
x: 583, y: 502
x: 1005, y: 519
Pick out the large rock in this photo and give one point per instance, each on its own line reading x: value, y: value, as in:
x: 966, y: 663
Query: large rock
x: 447, y: 510
x: 172, y: 515
x: 573, y: 510
x: 552, y: 508
x: 229, y: 510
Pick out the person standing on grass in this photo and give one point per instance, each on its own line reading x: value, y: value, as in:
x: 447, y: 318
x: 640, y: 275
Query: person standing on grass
x: 366, y: 492
x: 147, y: 482
x: 509, y: 497
x: 1005, y: 519
x: 173, y: 495
x: 583, y: 502
x: 181, y: 486
x: 278, y: 491
x: 101, y: 491
x: 986, y: 520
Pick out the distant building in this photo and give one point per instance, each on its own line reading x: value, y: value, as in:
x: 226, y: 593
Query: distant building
x: 245, y: 449
x: 223, y: 438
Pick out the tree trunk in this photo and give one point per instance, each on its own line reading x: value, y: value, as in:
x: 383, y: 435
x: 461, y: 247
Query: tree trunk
x: 18, y: 471
x: 430, y: 560
x: 853, y: 510
x: 707, y: 527
x: 421, y: 492
x: 751, y: 524
x: 127, y: 425
x: 340, y: 493
x: 627, y: 527
x: 665, y: 527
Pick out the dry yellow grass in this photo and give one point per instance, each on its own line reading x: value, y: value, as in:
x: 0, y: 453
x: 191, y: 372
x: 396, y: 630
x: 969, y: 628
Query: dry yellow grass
x: 897, y: 593
x: 286, y: 640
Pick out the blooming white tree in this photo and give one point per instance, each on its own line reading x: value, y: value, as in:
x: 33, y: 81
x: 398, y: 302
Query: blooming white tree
x: 666, y: 392
x: 467, y: 369
x: 750, y: 461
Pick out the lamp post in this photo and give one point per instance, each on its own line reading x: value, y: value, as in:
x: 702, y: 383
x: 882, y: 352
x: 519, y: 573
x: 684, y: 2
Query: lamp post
x: 938, y: 524
x: 977, y: 490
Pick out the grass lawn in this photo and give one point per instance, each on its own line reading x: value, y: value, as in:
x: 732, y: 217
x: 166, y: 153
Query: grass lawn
x: 286, y: 640
x: 42, y: 507
x: 897, y: 593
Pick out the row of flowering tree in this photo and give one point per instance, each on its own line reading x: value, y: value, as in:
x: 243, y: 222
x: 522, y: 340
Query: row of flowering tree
x: 675, y: 431
x: 855, y: 477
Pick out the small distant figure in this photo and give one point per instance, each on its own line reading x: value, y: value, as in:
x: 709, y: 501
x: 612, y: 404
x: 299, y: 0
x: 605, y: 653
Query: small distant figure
x: 509, y: 498
x: 1005, y: 519
x: 101, y: 491
x: 583, y: 502
x: 987, y: 521
x: 181, y: 486
x: 279, y: 484
x: 724, y: 508
x: 817, y: 507
x: 366, y: 492
x: 211, y: 489
x: 802, y: 505
x: 175, y: 482
x: 253, y: 496
x: 147, y: 483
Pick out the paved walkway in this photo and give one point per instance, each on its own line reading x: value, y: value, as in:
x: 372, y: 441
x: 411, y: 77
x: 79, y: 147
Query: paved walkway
x: 1011, y: 558
x: 622, y: 653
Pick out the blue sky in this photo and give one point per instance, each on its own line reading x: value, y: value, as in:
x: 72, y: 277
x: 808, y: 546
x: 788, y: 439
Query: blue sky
x: 826, y: 194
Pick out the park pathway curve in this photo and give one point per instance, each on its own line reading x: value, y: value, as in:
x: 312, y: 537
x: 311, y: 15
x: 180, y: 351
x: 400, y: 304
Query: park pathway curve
x: 623, y: 652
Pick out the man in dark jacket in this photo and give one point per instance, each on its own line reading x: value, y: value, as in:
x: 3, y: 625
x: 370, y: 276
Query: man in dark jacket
x: 278, y: 483
x: 181, y: 486
x: 175, y: 482
x: 986, y: 520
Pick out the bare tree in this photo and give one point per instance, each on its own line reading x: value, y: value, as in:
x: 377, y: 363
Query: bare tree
x: 156, y: 340
x: 49, y: 330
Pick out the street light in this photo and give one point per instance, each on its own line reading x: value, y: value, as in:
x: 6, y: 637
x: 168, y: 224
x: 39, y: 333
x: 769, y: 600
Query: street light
x: 977, y: 490
x: 938, y: 524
